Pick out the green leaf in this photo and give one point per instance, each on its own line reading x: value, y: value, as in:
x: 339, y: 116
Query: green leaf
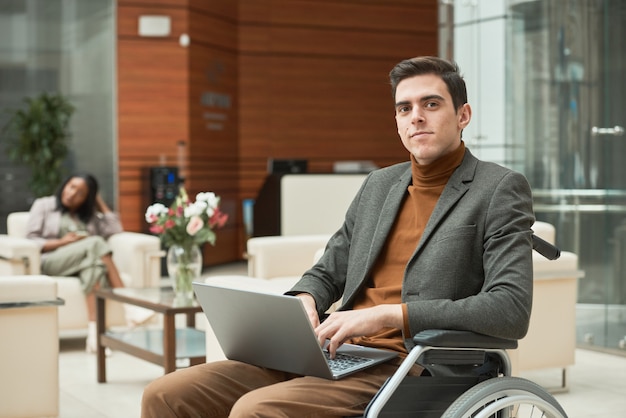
x: 38, y: 137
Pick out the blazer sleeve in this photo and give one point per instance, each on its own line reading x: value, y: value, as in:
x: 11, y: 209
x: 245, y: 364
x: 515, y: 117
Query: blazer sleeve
x: 36, y: 225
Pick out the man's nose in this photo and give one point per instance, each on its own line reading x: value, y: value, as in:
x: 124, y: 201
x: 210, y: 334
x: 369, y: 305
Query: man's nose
x: 417, y: 114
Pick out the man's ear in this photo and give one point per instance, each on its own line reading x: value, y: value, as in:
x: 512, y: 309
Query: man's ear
x: 464, y: 115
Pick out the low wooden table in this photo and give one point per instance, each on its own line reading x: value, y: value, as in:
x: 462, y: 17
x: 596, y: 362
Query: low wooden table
x: 159, y: 346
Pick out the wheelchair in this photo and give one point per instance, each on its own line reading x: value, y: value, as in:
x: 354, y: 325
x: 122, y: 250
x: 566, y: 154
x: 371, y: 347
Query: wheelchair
x: 467, y: 375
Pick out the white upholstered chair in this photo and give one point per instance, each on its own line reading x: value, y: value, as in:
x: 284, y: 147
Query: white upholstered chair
x: 29, y: 352
x: 276, y: 263
x: 136, y: 255
x: 551, y: 339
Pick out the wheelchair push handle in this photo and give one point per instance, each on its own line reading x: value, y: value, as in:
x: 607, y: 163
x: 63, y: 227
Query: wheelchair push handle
x: 546, y: 249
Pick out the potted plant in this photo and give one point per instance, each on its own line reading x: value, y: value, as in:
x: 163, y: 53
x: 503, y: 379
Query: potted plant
x: 38, y: 137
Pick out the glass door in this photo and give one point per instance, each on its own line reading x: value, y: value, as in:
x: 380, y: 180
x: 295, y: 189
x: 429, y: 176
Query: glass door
x: 568, y: 100
x: 67, y: 47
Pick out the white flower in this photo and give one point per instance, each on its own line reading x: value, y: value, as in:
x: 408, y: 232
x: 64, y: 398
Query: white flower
x: 154, y: 211
x: 212, y: 202
x: 195, y: 209
x: 211, y: 199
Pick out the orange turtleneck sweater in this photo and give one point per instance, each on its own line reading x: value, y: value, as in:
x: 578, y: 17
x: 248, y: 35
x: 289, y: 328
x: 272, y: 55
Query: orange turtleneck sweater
x: 385, y: 283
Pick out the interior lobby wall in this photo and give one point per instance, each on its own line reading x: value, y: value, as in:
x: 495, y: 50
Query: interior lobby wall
x: 259, y: 79
x: 152, y: 100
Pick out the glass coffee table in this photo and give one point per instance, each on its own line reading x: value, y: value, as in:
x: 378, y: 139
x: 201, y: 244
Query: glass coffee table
x: 159, y: 346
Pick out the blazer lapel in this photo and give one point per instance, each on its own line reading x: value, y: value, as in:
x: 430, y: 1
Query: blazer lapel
x: 453, y: 191
x: 384, y: 222
x: 457, y: 186
x: 387, y: 217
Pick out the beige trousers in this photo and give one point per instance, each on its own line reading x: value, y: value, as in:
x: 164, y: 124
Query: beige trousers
x: 81, y: 258
x: 234, y: 389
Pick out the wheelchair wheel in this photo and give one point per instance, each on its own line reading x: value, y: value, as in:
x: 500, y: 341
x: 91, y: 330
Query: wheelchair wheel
x: 505, y: 397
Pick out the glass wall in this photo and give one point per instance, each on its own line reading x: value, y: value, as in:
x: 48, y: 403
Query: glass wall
x: 67, y: 47
x: 567, y: 100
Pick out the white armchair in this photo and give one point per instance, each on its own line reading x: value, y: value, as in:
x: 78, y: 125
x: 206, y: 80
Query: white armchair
x: 275, y: 264
x: 551, y: 339
x: 283, y: 256
x: 137, y: 256
x: 29, y: 353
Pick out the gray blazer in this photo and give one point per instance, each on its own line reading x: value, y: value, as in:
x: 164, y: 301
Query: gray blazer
x: 472, y: 269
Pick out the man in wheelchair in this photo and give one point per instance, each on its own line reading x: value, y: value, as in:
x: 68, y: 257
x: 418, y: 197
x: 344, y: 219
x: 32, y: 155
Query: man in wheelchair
x: 442, y: 241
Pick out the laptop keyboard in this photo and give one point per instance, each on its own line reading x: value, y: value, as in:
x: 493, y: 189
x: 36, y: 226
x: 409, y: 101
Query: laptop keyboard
x: 342, y: 361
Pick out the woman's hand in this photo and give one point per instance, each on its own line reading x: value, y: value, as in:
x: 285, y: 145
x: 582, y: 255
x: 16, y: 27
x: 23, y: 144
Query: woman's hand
x: 101, y: 206
x: 74, y: 236
x: 66, y: 239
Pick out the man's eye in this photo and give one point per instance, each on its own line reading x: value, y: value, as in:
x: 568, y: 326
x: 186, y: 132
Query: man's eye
x: 403, y: 109
x: 431, y: 105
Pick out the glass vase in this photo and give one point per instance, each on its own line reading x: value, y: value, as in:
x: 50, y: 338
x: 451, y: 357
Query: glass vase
x: 184, y: 265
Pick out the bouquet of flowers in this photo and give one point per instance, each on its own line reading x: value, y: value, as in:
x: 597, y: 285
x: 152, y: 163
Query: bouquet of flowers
x: 183, y: 227
x: 186, y: 223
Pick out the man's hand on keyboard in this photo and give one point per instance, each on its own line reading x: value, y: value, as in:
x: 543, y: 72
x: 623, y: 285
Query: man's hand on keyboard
x: 343, y: 325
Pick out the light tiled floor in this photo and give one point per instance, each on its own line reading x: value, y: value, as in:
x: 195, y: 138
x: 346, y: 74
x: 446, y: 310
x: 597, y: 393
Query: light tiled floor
x: 597, y: 382
x: 597, y: 385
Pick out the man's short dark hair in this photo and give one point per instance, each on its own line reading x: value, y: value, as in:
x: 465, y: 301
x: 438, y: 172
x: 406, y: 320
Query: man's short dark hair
x: 448, y: 71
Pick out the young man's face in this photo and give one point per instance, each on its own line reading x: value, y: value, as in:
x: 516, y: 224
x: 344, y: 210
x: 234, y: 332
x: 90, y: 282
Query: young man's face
x: 427, y: 122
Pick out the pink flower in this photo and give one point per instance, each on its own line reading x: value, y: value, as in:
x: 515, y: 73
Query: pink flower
x: 218, y: 219
x: 169, y: 224
x: 195, y: 224
x: 157, y: 229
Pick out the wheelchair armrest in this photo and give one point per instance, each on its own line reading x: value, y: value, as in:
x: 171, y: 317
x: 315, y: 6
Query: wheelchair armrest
x: 461, y: 339
x: 448, y: 354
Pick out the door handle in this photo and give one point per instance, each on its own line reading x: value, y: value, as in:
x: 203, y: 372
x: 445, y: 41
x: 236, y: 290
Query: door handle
x: 615, y: 131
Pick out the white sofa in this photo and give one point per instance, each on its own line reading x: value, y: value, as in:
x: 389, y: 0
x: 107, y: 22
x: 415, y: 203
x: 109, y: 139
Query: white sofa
x: 276, y: 263
x: 316, y: 203
x: 551, y: 339
x: 29, y: 352
x: 137, y: 256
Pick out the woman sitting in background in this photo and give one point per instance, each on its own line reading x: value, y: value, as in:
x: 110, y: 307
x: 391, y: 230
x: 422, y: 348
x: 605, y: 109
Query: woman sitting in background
x: 71, y: 229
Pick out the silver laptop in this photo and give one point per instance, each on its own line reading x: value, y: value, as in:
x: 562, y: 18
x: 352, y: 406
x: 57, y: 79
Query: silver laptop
x: 273, y: 331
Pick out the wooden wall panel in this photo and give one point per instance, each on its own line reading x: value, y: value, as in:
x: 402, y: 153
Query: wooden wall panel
x: 314, y: 80
x: 152, y: 103
x: 213, y: 121
x: 151, y: 4
x: 369, y: 16
x: 162, y: 90
x: 225, y: 9
x: 129, y: 13
x: 302, y: 79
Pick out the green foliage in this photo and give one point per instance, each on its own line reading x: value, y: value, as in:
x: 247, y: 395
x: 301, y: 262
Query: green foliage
x: 39, y: 138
